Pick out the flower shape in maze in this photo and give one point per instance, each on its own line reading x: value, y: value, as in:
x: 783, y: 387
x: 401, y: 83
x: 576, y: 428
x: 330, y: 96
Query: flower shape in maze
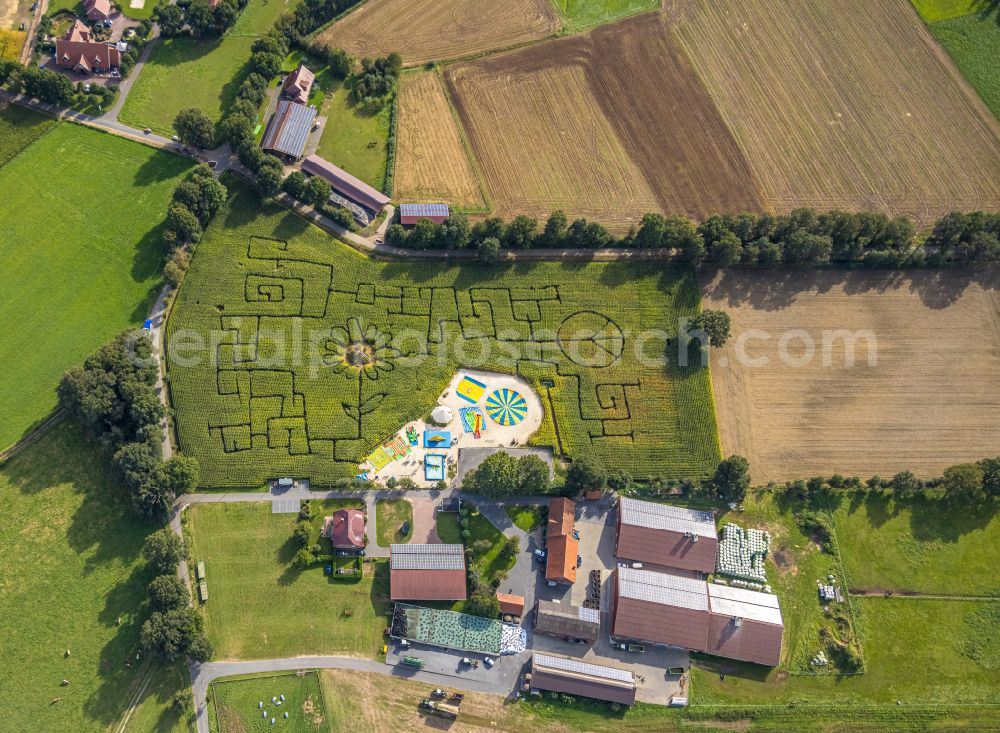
x: 359, y: 351
x: 591, y: 339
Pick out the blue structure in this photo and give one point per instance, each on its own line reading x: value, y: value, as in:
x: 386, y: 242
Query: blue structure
x: 434, y: 467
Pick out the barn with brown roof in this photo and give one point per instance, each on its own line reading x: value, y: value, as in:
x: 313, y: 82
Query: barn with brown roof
x: 344, y: 184
x: 427, y: 573
x: 666, y: 536
x: 77, y: 50
x: 345, y: 529
x: 661, y: 608
x: 576, y: 677
x: 299, y: 84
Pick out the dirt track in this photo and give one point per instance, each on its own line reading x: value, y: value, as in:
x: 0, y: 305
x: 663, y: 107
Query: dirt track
x: 931, y: 399
x: 437, y: 30
x: 561, y: 125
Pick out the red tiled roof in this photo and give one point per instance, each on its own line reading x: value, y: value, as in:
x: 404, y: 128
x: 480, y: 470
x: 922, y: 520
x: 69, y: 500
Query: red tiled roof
x: 346, y: 528
x: 560, y: 564
x: 511, y: 604
x: 562, y: 515
x: 298, y: 84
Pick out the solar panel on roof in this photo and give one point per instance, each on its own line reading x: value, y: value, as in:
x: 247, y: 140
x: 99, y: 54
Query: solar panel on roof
x: 663, y: 516
x: 593, y: 670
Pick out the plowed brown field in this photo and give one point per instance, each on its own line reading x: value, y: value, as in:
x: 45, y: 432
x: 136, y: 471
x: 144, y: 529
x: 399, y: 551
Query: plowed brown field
x: 436, y: 30
x: 930, y: 399
x: 844, y: 103
x: 609, y: 125
x: 431, y: 163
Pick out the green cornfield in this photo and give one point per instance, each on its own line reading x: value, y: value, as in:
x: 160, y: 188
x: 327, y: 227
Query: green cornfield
x: 275, y: 315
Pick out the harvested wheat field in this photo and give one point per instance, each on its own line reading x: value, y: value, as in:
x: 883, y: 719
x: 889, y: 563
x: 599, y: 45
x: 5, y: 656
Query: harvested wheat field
x: 609, y: 125
x: 437, y: 30
x: 431, y: 162
x: 923, y: 392
x: 844, y: 103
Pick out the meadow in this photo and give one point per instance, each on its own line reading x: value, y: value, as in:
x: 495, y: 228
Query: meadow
x: 845, y: 105
x: 973, y: 42
x: 96, y: 258
x: 274, y: 403
x: 261, y: 607
x: 234, y: 702
x: 73, y: 579
x: 353, y: 139
x: 438, y: 30
x: 211, y: 71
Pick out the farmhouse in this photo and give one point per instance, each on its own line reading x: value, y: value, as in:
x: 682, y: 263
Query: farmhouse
x: 410, y: 214
x: 573, y: 677
x: 427, y: 572
x: 298, y: 85
x: 666, y: 536
x: 661, y: 608
x: 564, y: 621
x: 288, y: 129
x: 344, y: 184
x: 345, y: 529
x: 78, y: 51
x: 97, y: 10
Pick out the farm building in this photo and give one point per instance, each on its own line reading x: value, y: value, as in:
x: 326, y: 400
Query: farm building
x: 560, y: 563
x: 564, y: 621
x: 97, y: 10
x: 427, y: 572
x: 666, y: 536
x: 511, y: 605
x: 299, y: 84
x: 345, y: 529
x: 562, y: 516
x: 78, y: 51
x: 288, y: 130
x: 344, y: 184
x: 573, y: 677
x: 661, y: 608
x: 410, y: 214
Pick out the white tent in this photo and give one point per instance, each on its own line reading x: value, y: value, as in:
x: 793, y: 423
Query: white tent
x: 442, y: 415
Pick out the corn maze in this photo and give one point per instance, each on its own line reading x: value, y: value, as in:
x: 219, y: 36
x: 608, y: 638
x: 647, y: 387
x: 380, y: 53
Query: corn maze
x: 307, y: 354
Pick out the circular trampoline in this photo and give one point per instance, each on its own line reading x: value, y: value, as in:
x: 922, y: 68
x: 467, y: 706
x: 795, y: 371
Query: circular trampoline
x: 506, y: 407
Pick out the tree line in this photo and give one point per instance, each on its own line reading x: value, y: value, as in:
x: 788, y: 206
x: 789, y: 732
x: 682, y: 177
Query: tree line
x: 801, y: 237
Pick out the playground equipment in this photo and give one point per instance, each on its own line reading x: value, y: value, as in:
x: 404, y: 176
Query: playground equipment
x: 506, y: 407
x: 470, y: 390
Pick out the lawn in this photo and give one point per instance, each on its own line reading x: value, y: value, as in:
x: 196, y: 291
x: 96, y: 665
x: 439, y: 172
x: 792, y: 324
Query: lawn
x: 190, y: 72
x: 389, y: 519
x: 292, y: 406
x: 236, y: 704
x: 974, y: 43
x: 71, y: 569
x: 921, y: 544
x: 353, y: 139
x: 527, y: 518
x: 933, y: 11
x: 581, y: 14
x: 80, y: 264
x: 261, y: 607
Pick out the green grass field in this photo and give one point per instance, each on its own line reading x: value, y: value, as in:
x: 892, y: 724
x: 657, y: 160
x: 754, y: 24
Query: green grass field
x: 389, y: 518
x: 526, y: 518
x: 80, y: 264
x: 262, y: 275
x: 190, y: 72
x: 973, y: 42
x: 235, y: 702
x: 71, y: 569
x: 354, y: 140
x: 580, y: 14
x: 261, y: 607
x: 933, y: 11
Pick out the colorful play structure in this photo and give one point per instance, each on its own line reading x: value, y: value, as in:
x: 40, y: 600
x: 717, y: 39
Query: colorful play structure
x: 470, y: 390
x: 506, y: 407
x: 434, y: 466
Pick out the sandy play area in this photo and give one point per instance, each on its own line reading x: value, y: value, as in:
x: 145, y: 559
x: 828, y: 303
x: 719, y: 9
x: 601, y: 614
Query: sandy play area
x: 502, y: 409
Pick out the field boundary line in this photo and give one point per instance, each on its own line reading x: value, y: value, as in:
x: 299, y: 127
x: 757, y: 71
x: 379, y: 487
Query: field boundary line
x: 51, y: 421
